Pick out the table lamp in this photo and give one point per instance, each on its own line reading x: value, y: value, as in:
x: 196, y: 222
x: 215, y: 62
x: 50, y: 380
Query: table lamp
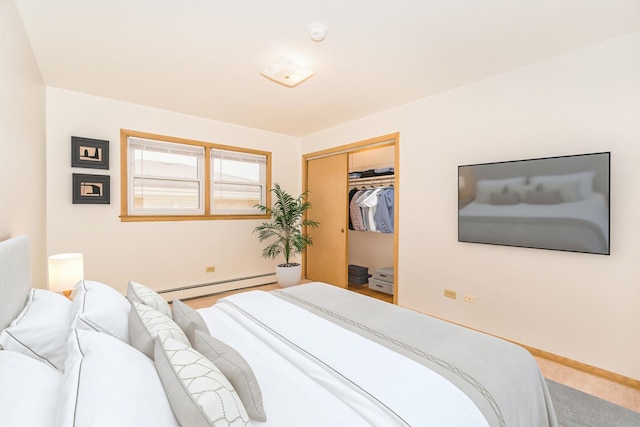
x: 65, y: 271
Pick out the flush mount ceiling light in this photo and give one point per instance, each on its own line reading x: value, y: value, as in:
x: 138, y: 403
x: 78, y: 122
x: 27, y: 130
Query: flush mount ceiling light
x: 287, y: 72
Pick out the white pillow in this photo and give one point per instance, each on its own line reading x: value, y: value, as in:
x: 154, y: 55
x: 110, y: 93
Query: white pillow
x: 28, y: 391
x: 484, y: 194
x: 569, y: 190
x: 486, y: 187
x: 518, y: 180
x: 137, y: 292
x: 585, y: 181
x: 200, y: 395
x: 41, y: 329
x: 101, y: 308
x: 145, y: 323
x: 108, y: 383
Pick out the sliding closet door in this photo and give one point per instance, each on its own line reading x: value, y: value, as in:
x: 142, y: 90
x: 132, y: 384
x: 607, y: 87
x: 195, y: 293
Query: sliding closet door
x: 327, y: 181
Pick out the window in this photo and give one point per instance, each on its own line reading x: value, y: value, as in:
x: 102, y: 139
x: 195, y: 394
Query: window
x: 165, y: 178
x: 170, y: 178
x: 237, y: 180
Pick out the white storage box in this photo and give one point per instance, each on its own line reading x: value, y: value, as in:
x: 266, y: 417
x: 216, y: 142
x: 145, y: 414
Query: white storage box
x: 384, y: 274
x: 381, y: 285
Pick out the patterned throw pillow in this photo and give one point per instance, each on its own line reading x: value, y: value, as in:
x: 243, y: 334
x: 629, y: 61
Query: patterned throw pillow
x: 146, y: 323
x: 198, y: 392
x: 137, y: 292
x: 237, y: 371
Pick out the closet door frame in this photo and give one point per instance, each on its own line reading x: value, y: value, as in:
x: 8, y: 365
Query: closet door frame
x: 392, y: 139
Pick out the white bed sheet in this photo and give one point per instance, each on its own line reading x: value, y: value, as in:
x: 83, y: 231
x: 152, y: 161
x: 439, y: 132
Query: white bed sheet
x: 315, y: 373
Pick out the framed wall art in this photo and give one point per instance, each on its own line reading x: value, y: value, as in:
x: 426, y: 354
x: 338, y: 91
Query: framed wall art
x: 89, y: 153
x: 91, y: 189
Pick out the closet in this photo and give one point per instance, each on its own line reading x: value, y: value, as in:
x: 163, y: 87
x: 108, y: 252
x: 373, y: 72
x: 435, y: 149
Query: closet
x: 331, y: 176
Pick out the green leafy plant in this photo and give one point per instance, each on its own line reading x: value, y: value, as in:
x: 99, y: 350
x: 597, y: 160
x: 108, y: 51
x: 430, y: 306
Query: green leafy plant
x: 286, y: 226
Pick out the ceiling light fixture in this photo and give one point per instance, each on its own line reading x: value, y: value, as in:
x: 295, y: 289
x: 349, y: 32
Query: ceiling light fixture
x: 287, y: 72
x: 317, y: 32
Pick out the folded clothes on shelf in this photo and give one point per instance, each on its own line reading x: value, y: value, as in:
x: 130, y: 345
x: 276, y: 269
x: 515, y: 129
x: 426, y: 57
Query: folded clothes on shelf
x: 369, y: 173
x: 383, y: 171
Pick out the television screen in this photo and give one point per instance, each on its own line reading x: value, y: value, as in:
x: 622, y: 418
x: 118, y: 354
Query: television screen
x: 558, y: 203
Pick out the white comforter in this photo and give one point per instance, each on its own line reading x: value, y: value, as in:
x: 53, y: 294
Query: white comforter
x: 315, y: 373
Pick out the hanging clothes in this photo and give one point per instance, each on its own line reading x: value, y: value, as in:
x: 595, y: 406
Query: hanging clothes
x: 383, y: 216
x: 371, y: 202
x: 355, y: 212
x: 364, y: 208
x: 352, y: 193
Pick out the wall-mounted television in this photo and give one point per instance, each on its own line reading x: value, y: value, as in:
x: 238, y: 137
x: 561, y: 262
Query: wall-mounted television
x: 558, y: 203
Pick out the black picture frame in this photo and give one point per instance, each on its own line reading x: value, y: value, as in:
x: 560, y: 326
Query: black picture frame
x: 91, y: 189
x: 89, y: 153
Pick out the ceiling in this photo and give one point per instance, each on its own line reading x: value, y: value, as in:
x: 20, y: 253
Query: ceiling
x: 204, y: 57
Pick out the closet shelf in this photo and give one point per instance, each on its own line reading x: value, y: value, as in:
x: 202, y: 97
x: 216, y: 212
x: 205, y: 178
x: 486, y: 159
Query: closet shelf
x: 373, y: 180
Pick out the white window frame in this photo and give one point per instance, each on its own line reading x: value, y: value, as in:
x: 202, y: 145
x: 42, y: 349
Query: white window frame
x: 153, y: 145
x: 261, y: 160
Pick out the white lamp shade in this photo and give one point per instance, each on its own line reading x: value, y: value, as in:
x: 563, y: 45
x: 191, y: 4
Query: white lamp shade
x: 65, y: 271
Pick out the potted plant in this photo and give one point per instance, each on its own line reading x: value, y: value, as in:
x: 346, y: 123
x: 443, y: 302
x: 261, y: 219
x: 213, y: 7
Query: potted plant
x: 286, y: 225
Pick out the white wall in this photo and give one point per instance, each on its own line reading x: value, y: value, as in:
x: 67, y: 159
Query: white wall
x: 22, y: 136
x: 162, y: 255
x: 580, y: 306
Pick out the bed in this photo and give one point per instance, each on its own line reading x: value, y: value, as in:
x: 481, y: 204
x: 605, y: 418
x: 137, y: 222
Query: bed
x: 309, y: 355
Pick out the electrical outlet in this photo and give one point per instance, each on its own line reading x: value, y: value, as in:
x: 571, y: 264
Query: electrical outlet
x: 470, y: 299
x: 450, y: 294
x: 211, y: 269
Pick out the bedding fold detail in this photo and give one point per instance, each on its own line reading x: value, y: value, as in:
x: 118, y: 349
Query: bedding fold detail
x: 382, y: 386
x: 501, y: 378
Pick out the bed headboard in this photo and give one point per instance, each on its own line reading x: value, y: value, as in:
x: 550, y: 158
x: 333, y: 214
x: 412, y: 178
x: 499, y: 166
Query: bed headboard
x: 15, y: 278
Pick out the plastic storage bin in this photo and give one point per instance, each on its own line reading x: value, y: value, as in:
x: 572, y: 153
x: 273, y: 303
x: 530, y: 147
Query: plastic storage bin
x: 381, y: 285
x: 384, y: 274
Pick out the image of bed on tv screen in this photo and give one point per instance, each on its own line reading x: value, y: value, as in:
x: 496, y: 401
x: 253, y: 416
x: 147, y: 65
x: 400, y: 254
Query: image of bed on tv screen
x: 558, y: 203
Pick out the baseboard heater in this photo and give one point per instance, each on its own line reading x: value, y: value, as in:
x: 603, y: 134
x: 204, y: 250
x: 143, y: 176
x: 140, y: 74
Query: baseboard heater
x: 221, y: 286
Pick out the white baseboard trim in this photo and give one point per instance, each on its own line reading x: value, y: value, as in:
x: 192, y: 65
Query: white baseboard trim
x: 205, y: 289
